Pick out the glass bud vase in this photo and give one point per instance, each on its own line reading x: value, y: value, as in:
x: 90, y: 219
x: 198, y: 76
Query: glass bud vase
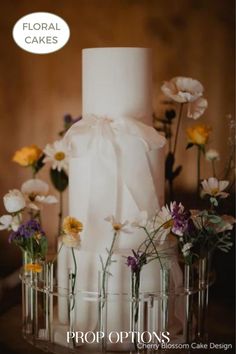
x: 31, y: 270
x: 164, y: 303
x: 102, y: 306
x: 204, y: 268
x: 189, y: 289
x: 135, y: 304
x: 48, y: 279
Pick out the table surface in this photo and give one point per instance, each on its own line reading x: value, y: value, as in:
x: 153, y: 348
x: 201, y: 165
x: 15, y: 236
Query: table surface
x: 221, y: 330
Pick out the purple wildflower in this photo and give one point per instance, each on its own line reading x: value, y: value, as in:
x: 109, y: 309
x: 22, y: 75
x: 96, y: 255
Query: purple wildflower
x: 136, y: 262
x: 27, y: 230
x: 180, y: 218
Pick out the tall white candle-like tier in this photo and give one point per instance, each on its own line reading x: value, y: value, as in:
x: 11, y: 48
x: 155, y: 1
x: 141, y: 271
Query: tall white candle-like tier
x: 116, y: 168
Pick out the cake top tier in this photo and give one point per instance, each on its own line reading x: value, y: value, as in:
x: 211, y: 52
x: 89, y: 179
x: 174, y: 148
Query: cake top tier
x: 117, y: 82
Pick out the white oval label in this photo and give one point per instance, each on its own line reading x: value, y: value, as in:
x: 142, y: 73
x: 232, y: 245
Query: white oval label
x: 41, y: 33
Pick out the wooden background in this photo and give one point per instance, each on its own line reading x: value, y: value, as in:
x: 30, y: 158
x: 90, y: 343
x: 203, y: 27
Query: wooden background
x: 188, y: 37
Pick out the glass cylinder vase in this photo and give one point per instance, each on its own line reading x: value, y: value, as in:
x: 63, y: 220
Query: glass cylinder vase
x: 204, y: 271
x: 135, y: 306
x: 31, y: 270
x: 102, y: 307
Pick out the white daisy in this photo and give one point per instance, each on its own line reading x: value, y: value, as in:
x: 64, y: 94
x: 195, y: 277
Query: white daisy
x: 215, y: 188
x: 164, y: 218
x: 163, y: 222
x: 116, y: 225
x: 57, y: 154
x: 36, y: 193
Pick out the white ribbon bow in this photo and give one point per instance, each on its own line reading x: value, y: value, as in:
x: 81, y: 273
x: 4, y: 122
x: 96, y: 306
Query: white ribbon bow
x: 119, y: 165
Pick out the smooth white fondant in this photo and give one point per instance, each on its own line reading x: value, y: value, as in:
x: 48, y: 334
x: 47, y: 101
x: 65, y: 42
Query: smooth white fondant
x: 117, y: 82
x: 116, y: 167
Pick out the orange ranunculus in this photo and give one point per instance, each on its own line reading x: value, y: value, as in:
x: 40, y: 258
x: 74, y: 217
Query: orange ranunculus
x: 33, y: 267
x: 27, y: 155
x: 72, y: 226
x: 198, y: 134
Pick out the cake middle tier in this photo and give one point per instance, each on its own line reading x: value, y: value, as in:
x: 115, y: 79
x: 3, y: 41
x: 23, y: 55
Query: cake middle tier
x: 115, y: 169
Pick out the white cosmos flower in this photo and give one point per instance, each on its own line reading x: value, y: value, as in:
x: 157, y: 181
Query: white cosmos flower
x: 141, y: 220
x: 36, y: 192
x: 57, y: 155
x: 212, y: 155
x: 182, y: 89
x: 9, y: 222
x: 116, y: 225
x: 14, y: 201
x: 197, y: 108
x: 163, y: 221
x: 215, y: 188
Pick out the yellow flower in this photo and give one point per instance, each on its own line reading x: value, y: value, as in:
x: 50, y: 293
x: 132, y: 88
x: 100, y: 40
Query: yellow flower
x: 71, y: 226
x: 198, y: 134
x: 27, y: 155
x: 33, y: 267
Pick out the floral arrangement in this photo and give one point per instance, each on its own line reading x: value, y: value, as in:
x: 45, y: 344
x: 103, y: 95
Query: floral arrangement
x: 198, y: 234
x: 185, y: 95
x: 24, y: 205
x: 197, y: 231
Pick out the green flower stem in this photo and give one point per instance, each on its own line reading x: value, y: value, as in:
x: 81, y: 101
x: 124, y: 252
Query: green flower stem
x: 154, y: 247
x: 108, y: 262
x: 74, y: 275
x: 55, y: 257
x: 154, y: 235
x: 213, y: 168
x: 198, y: 169
x: 178, y: 126
x: 135, y: 291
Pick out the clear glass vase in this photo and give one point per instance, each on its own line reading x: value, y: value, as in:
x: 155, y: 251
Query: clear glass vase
x: 197, y: 279
x: 31, y: 270
x: 135, y: 307
x: 204, y: 275
x: 102, y: 306
x: 189, y: 283
x: 164, y: 294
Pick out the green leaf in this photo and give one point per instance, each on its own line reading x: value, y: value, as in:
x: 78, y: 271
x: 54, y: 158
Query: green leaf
x: 39, y: 164
x: 169, y: 163
x: 177, y: 171
x: 215, y: 219
x: 59, y: 179
x: 214, y: 201
x: 43, y: 246
x: 202, y: 148
x: 189, y: 145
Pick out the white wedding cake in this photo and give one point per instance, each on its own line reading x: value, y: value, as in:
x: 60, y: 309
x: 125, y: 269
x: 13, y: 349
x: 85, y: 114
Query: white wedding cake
x: 116, y: 168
